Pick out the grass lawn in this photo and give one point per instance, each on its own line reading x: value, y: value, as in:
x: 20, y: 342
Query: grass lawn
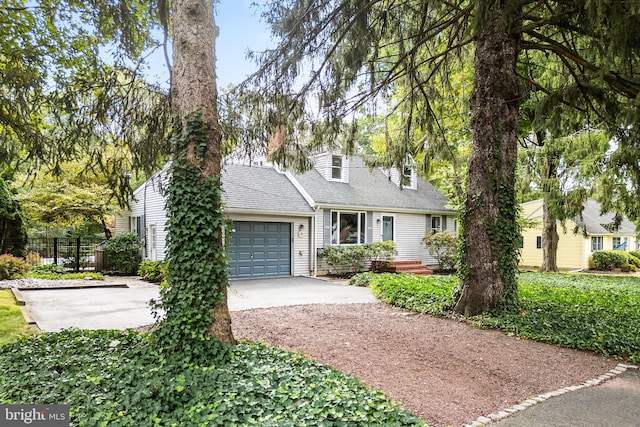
x: 12, y: 323
x: 589, y: 312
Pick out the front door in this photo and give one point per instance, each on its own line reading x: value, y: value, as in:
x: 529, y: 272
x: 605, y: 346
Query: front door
x: 388, y: 228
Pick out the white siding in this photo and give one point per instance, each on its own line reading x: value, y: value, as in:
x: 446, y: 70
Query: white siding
x: 150, y: 205
x: 410, y: 230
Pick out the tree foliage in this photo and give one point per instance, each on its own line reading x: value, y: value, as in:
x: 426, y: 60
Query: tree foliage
x: 71, y: 85
x: 69, y: 199
x: 13, y: 233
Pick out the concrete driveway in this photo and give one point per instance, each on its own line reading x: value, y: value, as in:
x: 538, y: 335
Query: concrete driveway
x: 121, y: 308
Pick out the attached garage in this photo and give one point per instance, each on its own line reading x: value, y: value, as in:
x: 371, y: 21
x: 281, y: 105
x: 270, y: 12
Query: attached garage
x: 260, y: 249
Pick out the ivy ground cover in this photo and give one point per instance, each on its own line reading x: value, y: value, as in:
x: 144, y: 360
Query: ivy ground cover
x: 588, y: 312
x: 114, y: 378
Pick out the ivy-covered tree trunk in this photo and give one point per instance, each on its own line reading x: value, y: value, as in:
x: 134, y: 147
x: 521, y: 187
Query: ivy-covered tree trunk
x: 491, y: 235
x: 198, y: 267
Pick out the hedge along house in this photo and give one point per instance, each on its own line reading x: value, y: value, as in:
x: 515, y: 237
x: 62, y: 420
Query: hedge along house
x: 281, y: 219
x: 580, y: 237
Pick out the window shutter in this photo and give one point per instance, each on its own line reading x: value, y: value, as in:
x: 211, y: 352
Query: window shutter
x: 326, y: 227
x: 444, y: 222
x: 369, y: 227
x: 428, y: 223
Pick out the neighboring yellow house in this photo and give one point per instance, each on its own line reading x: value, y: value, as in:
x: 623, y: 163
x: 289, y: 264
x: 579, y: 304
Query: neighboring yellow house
x: 574, y: 250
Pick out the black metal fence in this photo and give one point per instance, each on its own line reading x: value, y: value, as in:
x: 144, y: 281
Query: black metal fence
x: 73, y: 253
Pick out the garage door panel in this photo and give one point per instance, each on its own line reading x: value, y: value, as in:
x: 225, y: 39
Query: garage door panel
x: 260, y: 249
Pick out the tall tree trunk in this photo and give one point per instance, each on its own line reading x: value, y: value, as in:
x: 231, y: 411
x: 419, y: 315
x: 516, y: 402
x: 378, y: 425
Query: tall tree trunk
x: 491, y: 235
x: 550, y: 235
x: 193, y: 89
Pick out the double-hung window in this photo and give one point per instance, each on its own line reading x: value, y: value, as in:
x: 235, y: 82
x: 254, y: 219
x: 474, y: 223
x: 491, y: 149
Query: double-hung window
x: 348, y: 228
x: 596, y: 243
x: 336, y: 167
x: 436, y: 223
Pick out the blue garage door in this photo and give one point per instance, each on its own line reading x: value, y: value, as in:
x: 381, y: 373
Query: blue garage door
x: 260, y: 249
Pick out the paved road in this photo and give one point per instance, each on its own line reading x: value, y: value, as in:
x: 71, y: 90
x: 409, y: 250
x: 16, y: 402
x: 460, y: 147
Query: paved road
x: 121, y: 308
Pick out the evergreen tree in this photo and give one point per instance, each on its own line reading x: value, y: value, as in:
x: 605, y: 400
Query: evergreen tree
x: 358, y: 53
x: 13, y: 229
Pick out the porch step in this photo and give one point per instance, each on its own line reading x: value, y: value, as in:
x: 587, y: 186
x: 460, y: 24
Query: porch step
x: 409, y: 267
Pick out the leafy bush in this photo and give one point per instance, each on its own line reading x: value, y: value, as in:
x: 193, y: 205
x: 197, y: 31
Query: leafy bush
x: 634, y: 260
x: 443, y: 247
x: 635, y: 254
x: 606, y: 260
x: 47, y: 269
x: 585, y: 311
x: 117, y: 378
x: 154, y: 271
x: 123, y: 253
x: 12, y: 267
x: 352, y: 258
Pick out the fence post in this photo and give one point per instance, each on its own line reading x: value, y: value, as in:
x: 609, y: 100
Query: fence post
x: 55, y: 250
x: 77, y: 254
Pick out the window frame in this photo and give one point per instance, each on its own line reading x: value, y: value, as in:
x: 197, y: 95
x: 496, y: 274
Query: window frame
x: 597, y: 243
x: 361, y: 227
x: 439, y: 227
x: 337, y: 169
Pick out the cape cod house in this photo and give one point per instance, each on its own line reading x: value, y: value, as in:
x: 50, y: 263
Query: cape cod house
x: 581, y: 236
x: 281, y: 218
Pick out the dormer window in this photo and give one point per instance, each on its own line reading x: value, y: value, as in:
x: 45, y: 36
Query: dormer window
x: 336, y: 167
x: 407, y: 177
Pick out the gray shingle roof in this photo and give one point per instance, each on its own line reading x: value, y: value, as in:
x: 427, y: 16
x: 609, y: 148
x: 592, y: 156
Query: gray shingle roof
x: 595, y: 223
x: 371, y: 188
x: 261, y: 189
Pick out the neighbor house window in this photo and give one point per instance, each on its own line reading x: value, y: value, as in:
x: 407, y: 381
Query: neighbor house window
x: 436, y: 223
x: 620, y: 243
x: 348, y: 228
x: 596, y: 243
x: 336, y: 167
x: 539, y: 242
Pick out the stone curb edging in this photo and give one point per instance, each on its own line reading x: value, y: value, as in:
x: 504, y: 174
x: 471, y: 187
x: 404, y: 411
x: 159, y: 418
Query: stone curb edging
x: 483, y: 420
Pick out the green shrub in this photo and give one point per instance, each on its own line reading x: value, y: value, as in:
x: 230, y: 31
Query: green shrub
x: 635, y: 254
x: 116, y: 378
x: 123, y: 253
x: 48, y: 269
x: 154, y: 271
x: 634, y: 260
x: 442, y: 246
x: 606, y: 260
x: 12, y: 267
x: 352, y: 258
